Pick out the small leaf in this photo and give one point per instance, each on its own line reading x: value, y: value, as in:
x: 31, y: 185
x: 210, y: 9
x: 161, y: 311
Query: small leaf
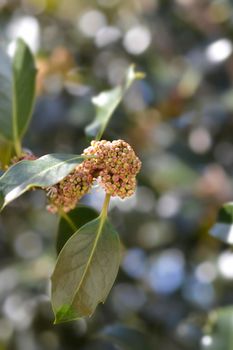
x: 106, y: 103
x: 17, y: 91
x: 126, y: 337
x: 85, y: 270
x: 223, y: 229
x: 76, y: 219
x: 42, y: 172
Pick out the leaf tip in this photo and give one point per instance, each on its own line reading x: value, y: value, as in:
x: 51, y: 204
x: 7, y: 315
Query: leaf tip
x: 65, y: 314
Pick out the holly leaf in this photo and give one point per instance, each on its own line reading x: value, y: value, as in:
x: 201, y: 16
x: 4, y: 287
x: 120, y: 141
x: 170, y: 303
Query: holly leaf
x: 42, y: 172
x: 106, y: 103
x: 85, y: 271
x: 75, y: 219
x: 17, y: 92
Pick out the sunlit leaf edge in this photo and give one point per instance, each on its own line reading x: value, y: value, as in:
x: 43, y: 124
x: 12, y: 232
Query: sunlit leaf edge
x: 24, y: 186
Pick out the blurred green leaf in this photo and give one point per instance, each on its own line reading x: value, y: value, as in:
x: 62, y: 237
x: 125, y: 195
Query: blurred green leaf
x: 218, y: 335
x: 106, y: 103
x: 17, y: 91
x: 5, y: 96
x: 168, y: 171
x: 45, y: 171
x: 223, y: 229
x: 85, y: 270
x: 125, y: 337
x: 72, y: 221
x: 24, y: 75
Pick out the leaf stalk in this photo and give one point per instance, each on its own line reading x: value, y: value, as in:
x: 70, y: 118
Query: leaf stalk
x: 104, y: 211
x: 68, y: 220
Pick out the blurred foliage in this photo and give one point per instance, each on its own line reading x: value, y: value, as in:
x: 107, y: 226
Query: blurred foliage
x: 222, y: 229
x: 219, y: 330
x: 179, y: 119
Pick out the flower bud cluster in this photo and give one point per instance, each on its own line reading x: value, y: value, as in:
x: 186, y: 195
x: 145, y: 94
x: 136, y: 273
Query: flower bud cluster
x: 65, y: 194
x: 115, y: 166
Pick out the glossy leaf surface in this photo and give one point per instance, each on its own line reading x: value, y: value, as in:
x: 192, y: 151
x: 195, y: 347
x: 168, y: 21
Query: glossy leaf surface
x: 74, y: 220
x: 85, y: 270
x: 42, y: 172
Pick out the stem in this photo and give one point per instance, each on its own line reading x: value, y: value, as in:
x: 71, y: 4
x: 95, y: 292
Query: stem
x: 68, y: 220
x: 18, y: 148
x: 6, y: 148
x: 104, y: 211
x: 103, y: 214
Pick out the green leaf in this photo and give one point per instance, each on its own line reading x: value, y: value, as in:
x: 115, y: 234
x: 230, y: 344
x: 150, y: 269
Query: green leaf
x: 72, y: 221
x: 24, y: 75
x: 85, y: 270
x: 6, y: 129
x: 126, y: 337
x: 223, y: 229
x: 43, y: 172
x: 218, y: 330
x: 106, y: 103
x: 17, y: 92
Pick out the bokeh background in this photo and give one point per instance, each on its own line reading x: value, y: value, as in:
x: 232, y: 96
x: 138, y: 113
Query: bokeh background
x: 179, y: 120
